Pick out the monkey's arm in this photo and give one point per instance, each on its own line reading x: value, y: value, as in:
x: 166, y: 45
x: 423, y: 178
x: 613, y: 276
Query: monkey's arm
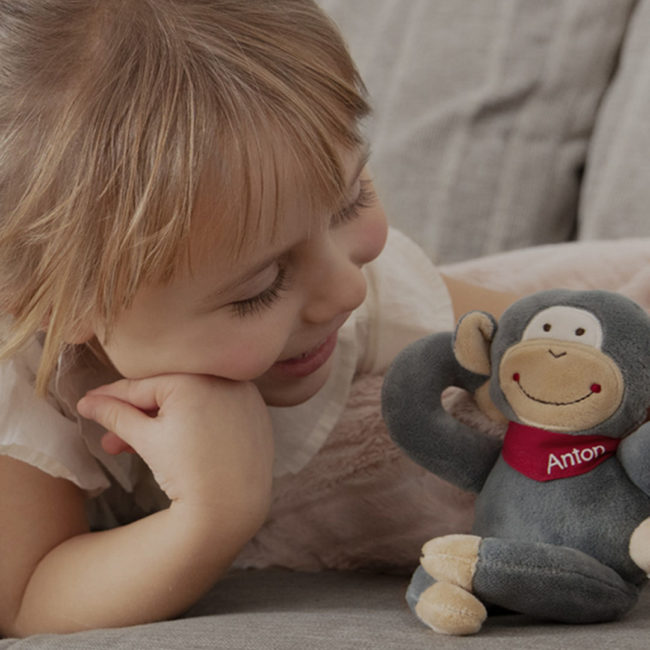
x: 634, y: 454
x: 422, y: 428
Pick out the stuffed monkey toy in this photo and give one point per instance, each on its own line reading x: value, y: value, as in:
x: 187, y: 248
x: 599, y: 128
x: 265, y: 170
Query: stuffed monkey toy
x: 560, y: 497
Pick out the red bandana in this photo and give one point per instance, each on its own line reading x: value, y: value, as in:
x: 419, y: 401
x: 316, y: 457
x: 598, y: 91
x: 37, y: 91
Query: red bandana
x: 544, y: 455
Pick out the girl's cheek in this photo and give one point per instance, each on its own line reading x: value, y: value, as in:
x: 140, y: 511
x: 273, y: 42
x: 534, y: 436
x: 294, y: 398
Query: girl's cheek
x: 380, y: 235
x: 373, y: 238
x: 246, y: 362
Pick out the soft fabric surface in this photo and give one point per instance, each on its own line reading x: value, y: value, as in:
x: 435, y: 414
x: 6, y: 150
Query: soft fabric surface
x: 360, y: 503
x: 616, y: 192
x: 487, y: 114
x: 622, y: 265
x: 281, y: 610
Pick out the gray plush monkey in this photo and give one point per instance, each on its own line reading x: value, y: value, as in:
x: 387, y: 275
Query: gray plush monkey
x: 560, y: 497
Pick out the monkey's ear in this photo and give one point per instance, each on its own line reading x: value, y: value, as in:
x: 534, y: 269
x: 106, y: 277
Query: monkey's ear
x: 474, y: 335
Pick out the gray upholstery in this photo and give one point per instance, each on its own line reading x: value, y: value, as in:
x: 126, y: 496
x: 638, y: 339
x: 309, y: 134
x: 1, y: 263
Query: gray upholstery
x: 616, y: 191
x: 487, y: 114
x: 279, y: 610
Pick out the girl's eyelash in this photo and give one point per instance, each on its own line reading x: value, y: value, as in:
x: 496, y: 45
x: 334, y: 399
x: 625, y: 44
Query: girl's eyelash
x: 365, y: 199
x: 266, y: 298
x: 242, y: 308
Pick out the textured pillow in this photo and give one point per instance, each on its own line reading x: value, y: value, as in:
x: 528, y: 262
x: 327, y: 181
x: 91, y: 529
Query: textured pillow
x: 484, y: 110
x: 616, y: 192
x: 360, y: 502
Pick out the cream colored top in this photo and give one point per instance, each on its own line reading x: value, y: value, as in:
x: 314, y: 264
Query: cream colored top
x: 407, y: 299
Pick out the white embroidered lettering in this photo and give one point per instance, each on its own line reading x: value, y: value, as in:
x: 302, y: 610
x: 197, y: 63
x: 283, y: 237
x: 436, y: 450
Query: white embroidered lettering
x: 570, y: 458
x: 553, y: 461
x: 573, y: 458
x: 587, y: 455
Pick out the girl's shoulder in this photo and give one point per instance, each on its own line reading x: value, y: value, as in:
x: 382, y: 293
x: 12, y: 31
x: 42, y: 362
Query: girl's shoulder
x: 42, y: 431
x: 407, y: 300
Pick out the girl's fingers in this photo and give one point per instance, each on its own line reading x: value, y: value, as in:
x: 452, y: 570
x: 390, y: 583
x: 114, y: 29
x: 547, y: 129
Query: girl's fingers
x: 144, y: 394
x: 121, y: 418
x: 113, y: 444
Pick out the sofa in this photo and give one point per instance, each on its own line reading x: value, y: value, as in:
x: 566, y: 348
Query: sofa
x: 499, y: 125
x: 502, y: 124
x: 281, y: 610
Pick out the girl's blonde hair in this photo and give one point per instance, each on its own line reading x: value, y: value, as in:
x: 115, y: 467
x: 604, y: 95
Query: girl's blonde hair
x: 113, y: 112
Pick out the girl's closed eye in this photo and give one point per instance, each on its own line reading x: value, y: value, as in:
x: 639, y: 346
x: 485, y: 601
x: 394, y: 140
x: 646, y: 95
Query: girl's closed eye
x: 365, y: 199
x: 265, y: 298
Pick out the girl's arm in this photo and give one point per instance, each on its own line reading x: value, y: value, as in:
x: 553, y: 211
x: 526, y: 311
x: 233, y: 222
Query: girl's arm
x: 37, y: 513
x: 58, y: 577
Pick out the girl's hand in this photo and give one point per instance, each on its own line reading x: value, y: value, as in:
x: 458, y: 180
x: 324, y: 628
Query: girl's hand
x: 208, y: 441
x: 114, y: 445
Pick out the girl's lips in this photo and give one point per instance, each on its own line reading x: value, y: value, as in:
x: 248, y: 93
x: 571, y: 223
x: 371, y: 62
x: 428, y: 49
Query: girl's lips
x: 307, y: 363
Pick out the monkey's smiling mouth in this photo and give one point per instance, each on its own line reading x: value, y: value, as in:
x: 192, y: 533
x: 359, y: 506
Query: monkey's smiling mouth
x: 594, y: 389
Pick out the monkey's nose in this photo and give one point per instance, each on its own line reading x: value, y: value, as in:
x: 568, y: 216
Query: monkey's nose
x: 557, y: 355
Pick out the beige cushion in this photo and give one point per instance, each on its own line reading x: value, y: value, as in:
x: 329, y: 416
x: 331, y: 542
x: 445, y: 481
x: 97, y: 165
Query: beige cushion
x: 484, y: 112
x: 616, y: 196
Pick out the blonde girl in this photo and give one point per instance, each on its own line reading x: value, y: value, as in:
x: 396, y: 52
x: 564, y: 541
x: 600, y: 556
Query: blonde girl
x: 185, y: 224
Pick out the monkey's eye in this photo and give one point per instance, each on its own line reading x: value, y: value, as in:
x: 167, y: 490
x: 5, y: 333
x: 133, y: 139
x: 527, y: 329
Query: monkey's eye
x: 563, y: 323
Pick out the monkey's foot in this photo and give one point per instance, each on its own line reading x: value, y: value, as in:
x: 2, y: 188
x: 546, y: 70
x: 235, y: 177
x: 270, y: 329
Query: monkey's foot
x: 640, y: 546
x: 448, y: 609
x: 452, y: 559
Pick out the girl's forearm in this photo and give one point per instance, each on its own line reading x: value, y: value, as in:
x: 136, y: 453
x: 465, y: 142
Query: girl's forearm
x: 149, y: 570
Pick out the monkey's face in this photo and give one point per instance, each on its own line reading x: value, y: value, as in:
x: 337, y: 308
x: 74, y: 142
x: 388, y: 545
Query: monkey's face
x: 557, y: 377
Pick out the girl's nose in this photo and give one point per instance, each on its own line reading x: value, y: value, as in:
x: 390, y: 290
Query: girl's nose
x: 337, y: 286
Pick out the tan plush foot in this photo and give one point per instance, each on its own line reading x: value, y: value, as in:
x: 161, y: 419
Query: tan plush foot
x: 640, y: 546
x: 448, y: 609
x: 451, y: 558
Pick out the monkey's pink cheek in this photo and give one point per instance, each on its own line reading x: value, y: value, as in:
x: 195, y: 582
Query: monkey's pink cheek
x: 596, y: 388
x: 516, y: 377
